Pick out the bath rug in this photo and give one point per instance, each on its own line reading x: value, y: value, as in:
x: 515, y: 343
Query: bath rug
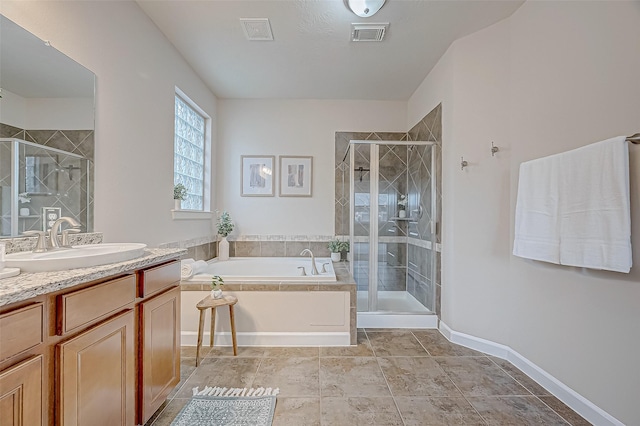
x: 215, y: 406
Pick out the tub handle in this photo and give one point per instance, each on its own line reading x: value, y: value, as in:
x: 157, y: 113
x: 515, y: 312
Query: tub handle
x: 324, y: 270
x: 303, y: 273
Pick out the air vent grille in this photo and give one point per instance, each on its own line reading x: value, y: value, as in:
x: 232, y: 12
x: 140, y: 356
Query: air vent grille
x: 257, y: 29
x: 368, y: 32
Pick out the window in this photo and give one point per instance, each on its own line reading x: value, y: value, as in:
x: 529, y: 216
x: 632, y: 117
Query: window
x: 190, y: 153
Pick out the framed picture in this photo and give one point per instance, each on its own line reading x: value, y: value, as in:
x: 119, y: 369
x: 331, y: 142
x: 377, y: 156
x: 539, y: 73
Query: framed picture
x: 295, y: 176
x: 257, y: 175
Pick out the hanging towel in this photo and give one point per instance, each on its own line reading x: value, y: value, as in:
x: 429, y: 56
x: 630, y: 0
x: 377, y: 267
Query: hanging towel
x: 537, y: 234
x: 574, y: 208
x: 595, y: 222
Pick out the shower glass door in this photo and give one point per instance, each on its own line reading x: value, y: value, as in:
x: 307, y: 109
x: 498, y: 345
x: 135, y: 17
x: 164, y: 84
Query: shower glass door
x: 392, y: 225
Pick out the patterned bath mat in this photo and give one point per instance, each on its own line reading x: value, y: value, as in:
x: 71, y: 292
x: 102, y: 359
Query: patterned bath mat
x: 228, y: 407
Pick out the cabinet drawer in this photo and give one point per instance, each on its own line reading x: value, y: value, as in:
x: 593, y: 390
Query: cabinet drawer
x: 79, y: 308
x: 20, y: 330
x: 159, y: 278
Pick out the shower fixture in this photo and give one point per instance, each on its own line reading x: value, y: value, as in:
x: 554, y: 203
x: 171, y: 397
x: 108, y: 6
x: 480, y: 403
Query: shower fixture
x: 364, y: 8
x: 361, y: 170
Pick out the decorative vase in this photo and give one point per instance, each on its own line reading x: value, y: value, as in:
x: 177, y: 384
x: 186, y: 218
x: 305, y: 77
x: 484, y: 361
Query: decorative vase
x: 335, y: 257
x: 216, y: 294
x: 223, y: 249
x: 402, y: 213
x: 177, y: 204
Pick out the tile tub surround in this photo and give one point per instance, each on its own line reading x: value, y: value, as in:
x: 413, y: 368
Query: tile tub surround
x: 344, y: 283
x: 203, y: 248
x: 28, y: 285
x: 420, y: 384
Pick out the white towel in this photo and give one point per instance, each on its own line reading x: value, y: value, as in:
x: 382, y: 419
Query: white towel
x: 573, y: 208
x: 595, y: 225
x: 536, y: 223
x: 186, y: 268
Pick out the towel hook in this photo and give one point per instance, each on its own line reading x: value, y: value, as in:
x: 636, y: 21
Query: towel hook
x: 494, y: 149
x: 463, y: 163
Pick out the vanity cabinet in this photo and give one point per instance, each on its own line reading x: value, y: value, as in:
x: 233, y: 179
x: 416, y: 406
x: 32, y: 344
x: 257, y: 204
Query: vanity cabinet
x: 105, y: 352
x: 96, y: 374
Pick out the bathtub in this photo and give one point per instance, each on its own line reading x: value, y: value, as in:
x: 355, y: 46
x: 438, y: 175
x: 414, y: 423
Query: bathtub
x: 266, y: 269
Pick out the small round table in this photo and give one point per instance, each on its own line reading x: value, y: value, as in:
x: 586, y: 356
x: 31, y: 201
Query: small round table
x: 209, y: 302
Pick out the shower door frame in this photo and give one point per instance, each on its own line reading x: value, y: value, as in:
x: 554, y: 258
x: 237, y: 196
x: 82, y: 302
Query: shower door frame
x: 374, y: 153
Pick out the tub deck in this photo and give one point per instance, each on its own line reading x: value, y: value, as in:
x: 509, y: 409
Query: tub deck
x: 280, y: 313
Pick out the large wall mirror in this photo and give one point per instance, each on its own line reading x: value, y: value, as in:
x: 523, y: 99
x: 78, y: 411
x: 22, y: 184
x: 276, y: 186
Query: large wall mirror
x: 46, y: 134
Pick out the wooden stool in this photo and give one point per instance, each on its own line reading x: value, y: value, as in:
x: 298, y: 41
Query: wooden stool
x: 209, y: 302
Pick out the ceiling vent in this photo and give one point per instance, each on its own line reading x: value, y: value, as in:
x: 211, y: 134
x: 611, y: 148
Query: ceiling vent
x: 368, y: 32
x: 256, y: 29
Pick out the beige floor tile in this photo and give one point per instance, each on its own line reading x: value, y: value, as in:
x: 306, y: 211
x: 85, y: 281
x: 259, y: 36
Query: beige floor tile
x: 360, y: 411
x: 243, y: 352
x: 170, y: 411
x: 437, y: 345
x: 417, y: 376
x: 479, y: 376
x: 297, y: 412
x: 437, y: 411
x: 222, y: 372
x: 190, y: 351
x: 187, y: 367
x: 296, y: 377
x: 291, y: 352
x: 516, y: 410
x: 395, y: 343
x: 565, y: 412
x: 363, y: 348
x: 352, y: 376
x: 524, y: 380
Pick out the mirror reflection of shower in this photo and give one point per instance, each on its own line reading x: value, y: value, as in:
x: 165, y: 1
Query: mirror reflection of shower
x: 36, y: 180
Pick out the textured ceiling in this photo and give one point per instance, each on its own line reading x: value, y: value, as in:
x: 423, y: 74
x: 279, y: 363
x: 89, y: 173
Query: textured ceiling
x: 312, y: 56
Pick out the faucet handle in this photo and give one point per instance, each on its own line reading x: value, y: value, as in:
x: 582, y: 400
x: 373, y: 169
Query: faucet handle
x: 41, y: 244
x: 65, y: 236
x: 303, y: 273
x: 324, y: 269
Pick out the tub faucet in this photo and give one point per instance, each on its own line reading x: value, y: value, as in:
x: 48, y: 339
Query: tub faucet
x: 314, y: 270
x: 55, y: 228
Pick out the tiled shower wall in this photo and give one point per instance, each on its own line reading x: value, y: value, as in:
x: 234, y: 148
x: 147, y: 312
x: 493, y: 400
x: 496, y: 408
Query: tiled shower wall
x: 410, y: 269
x: 80, y: 142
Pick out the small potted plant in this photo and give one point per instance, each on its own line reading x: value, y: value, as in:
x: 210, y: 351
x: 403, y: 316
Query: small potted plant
x: 179, y: 194
x: 402, y: 206
x: 225, y: 226
x: 216, y: 283
x: 336, y: 247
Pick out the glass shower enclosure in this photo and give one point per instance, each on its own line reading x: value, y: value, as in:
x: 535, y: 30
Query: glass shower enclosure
x: 392, y: 232
x: 39, y: 184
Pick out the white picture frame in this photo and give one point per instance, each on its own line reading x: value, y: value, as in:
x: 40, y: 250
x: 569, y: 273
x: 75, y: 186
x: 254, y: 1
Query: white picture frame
x: 258, y: 172
x: 296, y: 174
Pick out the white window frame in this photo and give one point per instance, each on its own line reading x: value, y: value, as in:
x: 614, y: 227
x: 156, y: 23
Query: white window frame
x: 205, y: 213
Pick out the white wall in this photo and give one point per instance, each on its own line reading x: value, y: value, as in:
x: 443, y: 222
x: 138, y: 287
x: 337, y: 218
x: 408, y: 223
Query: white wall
x: 60, y: 114
x: 292, y: 127
x: 554, y: 76
x: 137, y: 71
x: 13, y: 109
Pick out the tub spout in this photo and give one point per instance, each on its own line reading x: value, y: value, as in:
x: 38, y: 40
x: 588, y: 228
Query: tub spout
x: 314, y: 270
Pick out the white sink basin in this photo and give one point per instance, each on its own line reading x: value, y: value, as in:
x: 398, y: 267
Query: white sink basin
x: 76, y: 257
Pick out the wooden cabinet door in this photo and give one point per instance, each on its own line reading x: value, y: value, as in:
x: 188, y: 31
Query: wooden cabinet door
x: 21, y: 394
x: 159, y: 367
x: 96, y: 375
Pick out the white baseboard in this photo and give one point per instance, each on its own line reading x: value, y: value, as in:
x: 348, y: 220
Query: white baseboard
x: 571, y: 398
x: 378, y: 320
x: 190, y: 338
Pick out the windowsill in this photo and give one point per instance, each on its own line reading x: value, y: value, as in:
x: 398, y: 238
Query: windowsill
x: 190, y: 215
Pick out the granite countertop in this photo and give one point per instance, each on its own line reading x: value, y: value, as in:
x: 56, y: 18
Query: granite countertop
x: 28, y: 285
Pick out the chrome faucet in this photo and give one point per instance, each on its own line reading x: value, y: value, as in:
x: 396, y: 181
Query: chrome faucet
x: 55, y: 228
x: 314, y: 270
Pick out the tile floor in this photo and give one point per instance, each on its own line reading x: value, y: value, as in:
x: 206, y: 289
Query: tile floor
x: 392, y: 377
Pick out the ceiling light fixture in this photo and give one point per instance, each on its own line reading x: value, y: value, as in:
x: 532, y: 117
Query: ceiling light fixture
x: 364, y: 8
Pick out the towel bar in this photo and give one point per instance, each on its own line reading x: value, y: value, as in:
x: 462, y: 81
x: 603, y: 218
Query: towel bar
x: 635, y: 139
